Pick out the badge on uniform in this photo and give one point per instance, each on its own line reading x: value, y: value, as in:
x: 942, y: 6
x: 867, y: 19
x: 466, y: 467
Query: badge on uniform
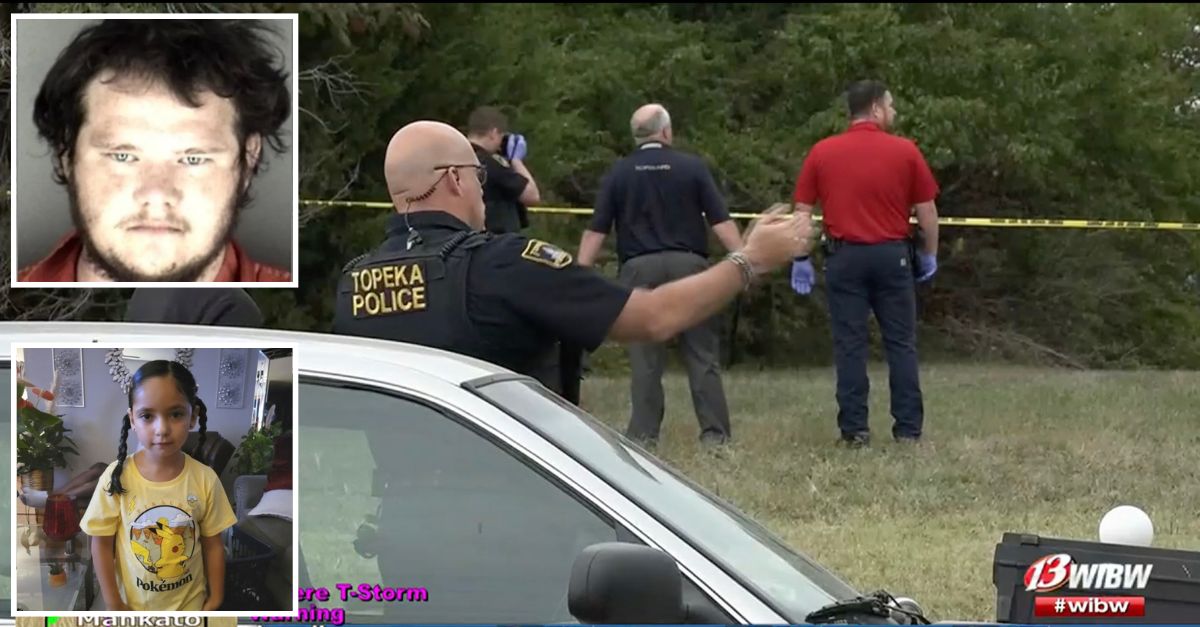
x: 546, y: 254
x: 501, y: 160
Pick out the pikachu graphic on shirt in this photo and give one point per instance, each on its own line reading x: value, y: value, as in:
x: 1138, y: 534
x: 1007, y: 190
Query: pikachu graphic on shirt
x: 162, y: 545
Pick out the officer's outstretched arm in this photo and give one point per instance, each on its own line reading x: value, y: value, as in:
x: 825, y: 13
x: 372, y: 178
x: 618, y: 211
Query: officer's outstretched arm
x: 657, y: 315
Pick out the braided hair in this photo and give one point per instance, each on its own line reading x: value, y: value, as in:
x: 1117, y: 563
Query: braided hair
x: 187, y: 386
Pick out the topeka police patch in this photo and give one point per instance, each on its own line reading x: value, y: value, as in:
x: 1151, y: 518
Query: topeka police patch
x: 393, y: 288
x: 546, y: 254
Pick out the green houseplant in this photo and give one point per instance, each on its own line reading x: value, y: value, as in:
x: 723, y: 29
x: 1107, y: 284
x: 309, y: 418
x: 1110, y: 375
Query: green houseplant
x: 257, y: 450
x: 42, y: 440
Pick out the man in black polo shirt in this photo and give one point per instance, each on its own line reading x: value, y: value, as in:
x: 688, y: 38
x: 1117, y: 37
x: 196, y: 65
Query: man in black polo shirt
x: 510, y: 188
x: 663, y: 203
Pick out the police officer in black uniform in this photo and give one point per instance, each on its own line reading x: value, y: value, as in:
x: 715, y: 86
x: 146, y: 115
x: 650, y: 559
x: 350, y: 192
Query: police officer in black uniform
x: 438, y: 280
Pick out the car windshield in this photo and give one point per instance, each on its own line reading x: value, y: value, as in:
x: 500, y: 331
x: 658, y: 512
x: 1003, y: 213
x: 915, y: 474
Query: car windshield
x: 790, y: 583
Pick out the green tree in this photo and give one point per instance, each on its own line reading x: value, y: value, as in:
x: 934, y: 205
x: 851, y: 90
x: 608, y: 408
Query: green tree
x: 1023, y: 110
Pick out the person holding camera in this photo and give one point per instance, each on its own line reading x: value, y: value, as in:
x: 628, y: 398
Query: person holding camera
x: 508, y: 188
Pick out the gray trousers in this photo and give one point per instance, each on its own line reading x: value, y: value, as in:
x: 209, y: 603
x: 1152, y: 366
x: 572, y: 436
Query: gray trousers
x: 699, y: 345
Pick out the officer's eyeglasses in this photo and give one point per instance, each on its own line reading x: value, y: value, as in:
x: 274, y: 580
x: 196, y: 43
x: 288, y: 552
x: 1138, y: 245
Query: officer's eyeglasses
x: 480, y: 171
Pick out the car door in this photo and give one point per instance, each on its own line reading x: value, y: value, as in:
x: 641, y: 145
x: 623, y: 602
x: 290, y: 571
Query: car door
x: 400, y: 493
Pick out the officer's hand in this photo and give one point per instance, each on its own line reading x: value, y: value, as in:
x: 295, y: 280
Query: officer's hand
x: 928, y: 267
x: 774, y: 213
x: 777, y: 238
x: 515, y: 147
x: 803, y: 276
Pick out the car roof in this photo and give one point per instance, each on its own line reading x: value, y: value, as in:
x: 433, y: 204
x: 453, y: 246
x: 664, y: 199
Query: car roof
x: 315, y: 351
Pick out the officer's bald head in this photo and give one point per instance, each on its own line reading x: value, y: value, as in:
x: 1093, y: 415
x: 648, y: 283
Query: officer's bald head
x: 418, y: 173
x: 651, y: 122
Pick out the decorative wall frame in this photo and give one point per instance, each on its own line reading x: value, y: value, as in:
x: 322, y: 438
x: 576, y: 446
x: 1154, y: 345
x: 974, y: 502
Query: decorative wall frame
x: 231, y: 378
x: 120, y: 373
x: 257, y: 417
x: 68, y: 364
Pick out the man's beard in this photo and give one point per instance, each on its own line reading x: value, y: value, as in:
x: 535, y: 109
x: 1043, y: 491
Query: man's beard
x: 118, y: 270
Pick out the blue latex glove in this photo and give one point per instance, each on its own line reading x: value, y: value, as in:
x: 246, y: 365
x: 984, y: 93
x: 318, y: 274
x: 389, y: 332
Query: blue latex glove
x: 515, y: 147
x: 928, y: 267
x: 803, y: 276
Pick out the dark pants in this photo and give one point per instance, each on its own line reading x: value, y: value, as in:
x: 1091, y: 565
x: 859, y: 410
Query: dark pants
x: 570, y: 368
x: 561, y: 370
x: 878, y: 278
x: 700, y: 346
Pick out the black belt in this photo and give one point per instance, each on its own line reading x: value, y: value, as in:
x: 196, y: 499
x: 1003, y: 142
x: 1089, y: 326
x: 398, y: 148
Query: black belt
x: 831, y: 244
x: 660, y: 251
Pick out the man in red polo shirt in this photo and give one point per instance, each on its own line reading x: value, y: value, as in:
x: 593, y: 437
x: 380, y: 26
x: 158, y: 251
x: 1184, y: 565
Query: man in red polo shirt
x: 868, y: 182
x: 157, y: 129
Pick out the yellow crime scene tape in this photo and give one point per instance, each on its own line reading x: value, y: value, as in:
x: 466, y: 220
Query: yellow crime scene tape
x: 1045, y: 223
x: 1049, y: 223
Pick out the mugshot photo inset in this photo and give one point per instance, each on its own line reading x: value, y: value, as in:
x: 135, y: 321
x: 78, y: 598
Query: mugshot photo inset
x: 154, y: 149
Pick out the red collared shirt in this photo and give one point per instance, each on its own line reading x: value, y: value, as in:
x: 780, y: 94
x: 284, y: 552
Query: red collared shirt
x: 867, y: 181
x: 60, y: 266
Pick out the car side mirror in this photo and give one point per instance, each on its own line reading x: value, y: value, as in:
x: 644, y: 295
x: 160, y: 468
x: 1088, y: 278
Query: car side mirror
x: 618, y: 582
x: 909, y: 605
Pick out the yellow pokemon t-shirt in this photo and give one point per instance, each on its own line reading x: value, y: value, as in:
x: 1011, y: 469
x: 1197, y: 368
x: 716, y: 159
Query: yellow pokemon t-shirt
x: 158, y: 525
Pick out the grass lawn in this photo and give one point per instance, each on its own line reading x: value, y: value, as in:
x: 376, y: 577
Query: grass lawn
x: 1007, y: 449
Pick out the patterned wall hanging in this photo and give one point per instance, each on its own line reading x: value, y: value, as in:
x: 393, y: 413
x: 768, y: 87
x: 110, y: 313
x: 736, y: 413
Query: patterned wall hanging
x: 68, y: 363
x: 120, y: 373
x: 231, y: 379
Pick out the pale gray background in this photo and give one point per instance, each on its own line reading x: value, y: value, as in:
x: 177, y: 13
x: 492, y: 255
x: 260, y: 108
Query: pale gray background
x: 41, y: 208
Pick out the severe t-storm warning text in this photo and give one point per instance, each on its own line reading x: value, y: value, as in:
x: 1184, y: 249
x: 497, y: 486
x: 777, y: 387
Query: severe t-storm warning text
x: 363, y: 592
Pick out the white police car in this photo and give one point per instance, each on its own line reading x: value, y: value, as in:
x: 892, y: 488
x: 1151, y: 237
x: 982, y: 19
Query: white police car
x: 490, y: 500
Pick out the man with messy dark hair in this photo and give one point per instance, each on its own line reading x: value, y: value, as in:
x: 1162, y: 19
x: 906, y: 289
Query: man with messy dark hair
x: 156, y: 128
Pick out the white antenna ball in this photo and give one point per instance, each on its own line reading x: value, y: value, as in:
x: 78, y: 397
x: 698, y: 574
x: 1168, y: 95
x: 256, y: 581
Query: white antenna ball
x: 1126, y: 525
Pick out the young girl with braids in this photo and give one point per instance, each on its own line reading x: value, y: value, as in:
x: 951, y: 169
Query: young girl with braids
x: 156, y: 516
